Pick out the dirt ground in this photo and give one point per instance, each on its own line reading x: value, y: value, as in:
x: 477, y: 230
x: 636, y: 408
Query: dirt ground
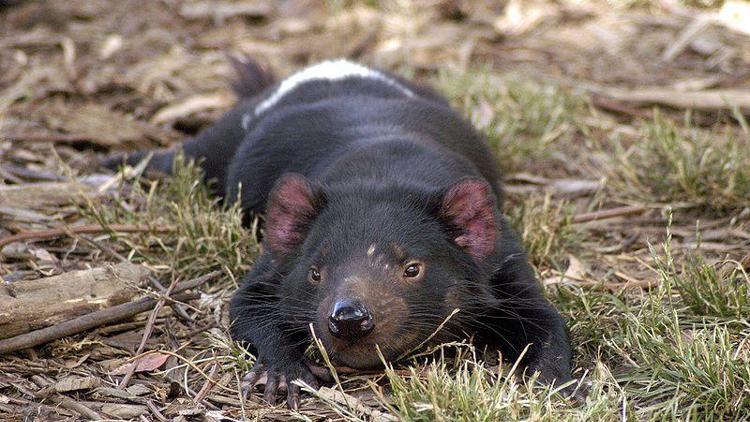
x: 80, y: 79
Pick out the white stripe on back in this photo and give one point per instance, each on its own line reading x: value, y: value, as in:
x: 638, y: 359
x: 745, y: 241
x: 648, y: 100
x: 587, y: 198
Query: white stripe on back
x: 329, y: 70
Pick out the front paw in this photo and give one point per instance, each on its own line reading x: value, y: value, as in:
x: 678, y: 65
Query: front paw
x: 277, y: 379
x: 559, y: 377
x: 576, y: 391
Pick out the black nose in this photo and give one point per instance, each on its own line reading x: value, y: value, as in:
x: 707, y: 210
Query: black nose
x: 350, y: 319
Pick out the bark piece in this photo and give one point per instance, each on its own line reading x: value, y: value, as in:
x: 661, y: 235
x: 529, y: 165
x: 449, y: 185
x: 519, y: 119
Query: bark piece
x: 73, y: 383
x: 32, y: 304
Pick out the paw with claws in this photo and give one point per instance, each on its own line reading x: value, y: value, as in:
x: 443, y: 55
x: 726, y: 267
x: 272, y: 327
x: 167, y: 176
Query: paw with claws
x: 277, y: 379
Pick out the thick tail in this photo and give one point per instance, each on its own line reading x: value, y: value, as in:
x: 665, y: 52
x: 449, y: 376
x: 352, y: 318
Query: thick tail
x: 251, y: 78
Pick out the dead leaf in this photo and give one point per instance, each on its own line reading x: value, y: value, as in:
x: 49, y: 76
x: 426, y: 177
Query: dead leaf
x: 184, y: 407
x: 574, y: 274
x: 42, y: 255
x: 576, y: 269
x: 146, y: 363
x: 138, y: 389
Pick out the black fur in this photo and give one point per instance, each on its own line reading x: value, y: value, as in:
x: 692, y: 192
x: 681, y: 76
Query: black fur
x: 378, y: 163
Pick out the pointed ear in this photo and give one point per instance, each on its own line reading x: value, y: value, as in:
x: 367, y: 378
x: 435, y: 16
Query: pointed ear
x: 291, y: 207
x: 469, y: 207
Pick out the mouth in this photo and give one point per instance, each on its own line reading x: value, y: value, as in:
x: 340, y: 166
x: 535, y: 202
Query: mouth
x: 365, y: 353
x: 355, y: 354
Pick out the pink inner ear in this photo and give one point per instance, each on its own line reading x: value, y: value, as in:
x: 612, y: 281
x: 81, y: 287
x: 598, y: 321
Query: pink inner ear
x: 469, y: 206
x: 289, y: 208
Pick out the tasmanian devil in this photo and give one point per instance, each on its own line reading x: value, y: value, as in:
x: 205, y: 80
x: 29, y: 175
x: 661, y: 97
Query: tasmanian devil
x: 382, y: 217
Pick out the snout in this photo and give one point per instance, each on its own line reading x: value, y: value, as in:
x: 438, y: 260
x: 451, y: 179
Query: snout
x: 350, y: 320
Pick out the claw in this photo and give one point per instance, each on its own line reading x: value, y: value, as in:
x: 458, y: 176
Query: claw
x: 292, y: 397
x: 294, y: 391
x: 252, y: 378
x: 577, y: 392
x: 275, y: 381
x: 272, y: 385
x: 283, y: 384
x: 311, y: 380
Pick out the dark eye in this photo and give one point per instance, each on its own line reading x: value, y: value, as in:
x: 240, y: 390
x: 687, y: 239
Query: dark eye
x: 412, y: 270
x: 314, y: 275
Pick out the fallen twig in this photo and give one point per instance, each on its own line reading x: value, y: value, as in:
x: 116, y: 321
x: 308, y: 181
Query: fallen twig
x: 610, y: 213
x: 191, y: 105
x: 147, y: 332
x: 77, y: 407
x: 155, y: 411
x: 85, y: 229
x: 710, y: 99
x: 614, y: 106
x: 688, y: 34
x: 98, y: 318
x: 208, y: 384
x: 86, y: 322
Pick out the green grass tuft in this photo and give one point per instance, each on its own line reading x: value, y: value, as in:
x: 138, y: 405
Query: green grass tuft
x: 525, y: 122
x: 721, y: 290
x: 206, y: 236
x: 689, y: 168
x: 546, y: 229
x: 679, y: 363
x: 466, y: 389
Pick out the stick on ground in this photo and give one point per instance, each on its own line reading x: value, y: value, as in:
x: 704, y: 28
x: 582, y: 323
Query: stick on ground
x: 610, y: 213
x: 88, y: 229
x: 98, y: 318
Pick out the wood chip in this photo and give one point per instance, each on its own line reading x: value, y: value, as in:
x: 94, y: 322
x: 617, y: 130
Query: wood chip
x: 123, y: 411
x: 76, y: 383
